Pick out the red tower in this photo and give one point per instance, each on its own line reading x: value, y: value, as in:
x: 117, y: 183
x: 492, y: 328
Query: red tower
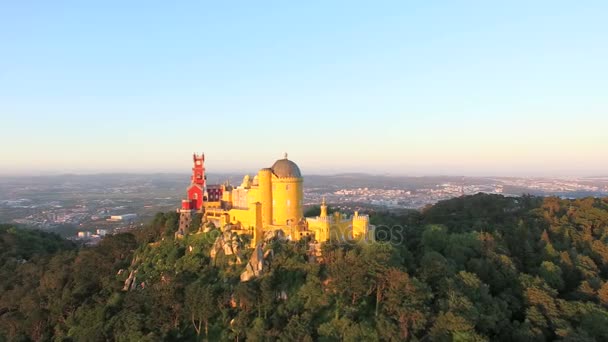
x: 196, y: 190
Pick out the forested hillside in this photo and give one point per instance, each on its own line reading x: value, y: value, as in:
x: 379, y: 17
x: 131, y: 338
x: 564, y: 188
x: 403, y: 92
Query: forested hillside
x: 477, y: 268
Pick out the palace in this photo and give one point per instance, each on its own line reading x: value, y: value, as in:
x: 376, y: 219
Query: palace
x: 271, y: 201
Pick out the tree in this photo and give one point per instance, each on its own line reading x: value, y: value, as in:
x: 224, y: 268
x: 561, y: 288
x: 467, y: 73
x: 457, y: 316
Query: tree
x: 435, y: 238
x: 404, y: 302
x: 171, y: 223
x: 552, y: 275
x: 195, y: 225
x: 434, y: 267
x: 451, y: 327
x: 603, y: 294
x: 200, y: 306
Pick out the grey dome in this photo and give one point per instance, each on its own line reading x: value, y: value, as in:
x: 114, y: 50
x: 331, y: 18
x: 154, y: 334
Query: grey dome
x: 284, y: 168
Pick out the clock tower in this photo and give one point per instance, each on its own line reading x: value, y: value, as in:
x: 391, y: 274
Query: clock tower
x: 196, y: 190
x: 196, y: 195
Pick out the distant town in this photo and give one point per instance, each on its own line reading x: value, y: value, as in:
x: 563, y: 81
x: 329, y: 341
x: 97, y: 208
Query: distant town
x: 87, y: 207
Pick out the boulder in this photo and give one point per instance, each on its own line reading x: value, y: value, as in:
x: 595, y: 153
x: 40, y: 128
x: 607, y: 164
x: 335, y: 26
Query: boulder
x: 255, y: 266
x: 131, y: 281
x: 229, y: 243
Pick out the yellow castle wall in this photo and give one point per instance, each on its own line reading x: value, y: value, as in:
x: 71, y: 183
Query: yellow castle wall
x: 258, y: 230
x: 246, y: 217
x: 265, y: 195
x: 339, y: 229
x: 360, y: 226
x: 321, y: 227
x: 287, y: 199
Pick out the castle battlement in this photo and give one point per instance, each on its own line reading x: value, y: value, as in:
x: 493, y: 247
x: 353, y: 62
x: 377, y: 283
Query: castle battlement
x: 287, y: 179
x: 362, y: 218
x: 319, y: 220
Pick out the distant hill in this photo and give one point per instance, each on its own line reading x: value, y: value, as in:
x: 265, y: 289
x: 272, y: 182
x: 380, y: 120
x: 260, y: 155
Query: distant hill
x: 382, y: 181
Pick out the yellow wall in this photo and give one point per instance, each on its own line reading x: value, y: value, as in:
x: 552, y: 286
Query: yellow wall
x: 253, y: 196
x: 265, y: 195
x: 258, y: 230
x: 336, y: 228
x: 321, y: 227
x: 360, y: 226
x: 245, y: 217
x: 227, y: 196
x: 287, y: 196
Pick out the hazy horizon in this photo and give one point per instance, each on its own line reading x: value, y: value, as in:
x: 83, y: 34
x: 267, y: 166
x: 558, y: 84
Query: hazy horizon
x: 187, y: 173
x: 468, y: 88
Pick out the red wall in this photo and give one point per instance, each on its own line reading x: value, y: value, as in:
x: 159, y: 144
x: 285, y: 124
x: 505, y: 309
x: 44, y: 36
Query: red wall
x: 197, y: 201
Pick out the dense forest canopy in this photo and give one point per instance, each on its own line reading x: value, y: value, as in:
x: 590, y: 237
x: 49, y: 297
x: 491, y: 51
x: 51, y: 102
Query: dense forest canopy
x: 476, y: 268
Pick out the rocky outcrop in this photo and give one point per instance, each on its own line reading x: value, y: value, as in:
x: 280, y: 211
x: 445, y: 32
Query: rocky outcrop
x: 207, y: 227
x: 275, y: 234
x: 315, y: 252
x: 255, y: 266
x: 131, y: 282
x: 259, y: 258
x: 228, y: 243
x: 282, y: 295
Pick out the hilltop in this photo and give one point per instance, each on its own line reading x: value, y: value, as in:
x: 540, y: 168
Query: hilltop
x: 476, y: 268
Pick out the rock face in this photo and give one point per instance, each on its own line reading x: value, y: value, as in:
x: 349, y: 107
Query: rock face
x: 228, y: 243
x: 131, y: 281
x: 259, y: 259
x: 275, y: 234
x: 255, y: 266
x: 315, y: 253
x: 207, y: 227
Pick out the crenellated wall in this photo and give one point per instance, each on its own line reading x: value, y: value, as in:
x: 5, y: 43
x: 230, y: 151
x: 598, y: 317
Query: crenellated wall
x: 340, y: 228
x: 360, y: 225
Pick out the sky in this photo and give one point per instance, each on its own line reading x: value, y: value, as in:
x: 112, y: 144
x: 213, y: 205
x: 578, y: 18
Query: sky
x: 509, y: 88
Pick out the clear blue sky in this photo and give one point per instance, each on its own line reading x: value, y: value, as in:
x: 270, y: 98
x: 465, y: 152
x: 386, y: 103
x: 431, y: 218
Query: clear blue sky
x: 403, y: 87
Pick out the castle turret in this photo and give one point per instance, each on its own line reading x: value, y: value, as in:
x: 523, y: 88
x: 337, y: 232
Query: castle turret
x: 360, y: 226
x: 196, y: 194
x: 323, y: 208
x: 196, y: 190
x: 258, y: 229
x: 265, y: 193
x: 287, y: 192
